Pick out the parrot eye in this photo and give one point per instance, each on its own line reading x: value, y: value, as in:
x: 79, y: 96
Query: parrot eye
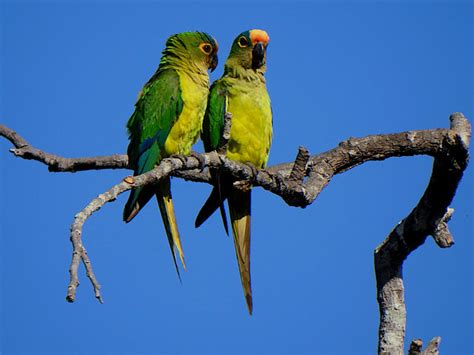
x: 206, y: 48
x: 243, y: 42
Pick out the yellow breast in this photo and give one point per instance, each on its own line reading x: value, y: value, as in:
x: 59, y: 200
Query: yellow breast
x: 185, y: 130
x: 251, y: 130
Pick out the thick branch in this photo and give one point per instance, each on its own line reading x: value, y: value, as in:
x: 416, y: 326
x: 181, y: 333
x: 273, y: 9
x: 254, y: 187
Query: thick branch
x: 320, y: 168
x: 429, y: 217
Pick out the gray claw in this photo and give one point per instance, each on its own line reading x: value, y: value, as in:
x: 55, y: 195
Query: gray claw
x: 199, y: 158
x: 254, y: 170
x: 180, y: 157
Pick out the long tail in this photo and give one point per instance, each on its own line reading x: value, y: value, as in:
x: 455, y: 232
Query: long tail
x: 214, y: 201
x: 239, y: 207
x: 165, y: 202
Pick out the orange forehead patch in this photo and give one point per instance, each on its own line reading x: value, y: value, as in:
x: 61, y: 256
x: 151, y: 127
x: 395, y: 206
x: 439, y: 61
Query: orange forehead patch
x: 259, y: 36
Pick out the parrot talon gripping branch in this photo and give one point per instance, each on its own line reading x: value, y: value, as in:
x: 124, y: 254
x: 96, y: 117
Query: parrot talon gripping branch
x: 199, y: 158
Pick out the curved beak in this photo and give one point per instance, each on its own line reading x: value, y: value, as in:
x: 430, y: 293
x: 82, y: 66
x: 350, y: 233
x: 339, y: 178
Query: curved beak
x: 214, y: 61
x: 258, y: 55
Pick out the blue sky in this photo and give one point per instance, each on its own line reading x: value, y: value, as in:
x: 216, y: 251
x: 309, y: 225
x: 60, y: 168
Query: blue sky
x: 70, y: 74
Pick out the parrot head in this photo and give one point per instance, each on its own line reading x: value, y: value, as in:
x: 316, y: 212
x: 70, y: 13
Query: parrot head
x: 249, y: 49
x: 197, y: 47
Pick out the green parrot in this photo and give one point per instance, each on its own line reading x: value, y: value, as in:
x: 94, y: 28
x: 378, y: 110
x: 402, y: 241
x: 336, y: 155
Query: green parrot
x: 167, y: 120
x: 242, y: 92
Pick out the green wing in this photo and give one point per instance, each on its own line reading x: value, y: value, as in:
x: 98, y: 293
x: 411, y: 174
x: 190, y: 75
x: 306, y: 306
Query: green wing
x: 212, y: 128
x: 213, y: 123
x: 158, y: 107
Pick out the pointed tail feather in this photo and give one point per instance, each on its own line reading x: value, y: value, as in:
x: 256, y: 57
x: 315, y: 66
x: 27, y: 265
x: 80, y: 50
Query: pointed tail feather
x: 137, y: 199
x: 165, y: 203
x: 214, y: 201
x: 221, y: 204
x: 239, y: 208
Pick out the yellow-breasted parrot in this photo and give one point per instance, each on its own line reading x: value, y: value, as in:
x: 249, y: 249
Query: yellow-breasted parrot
x: 167, y: 120
x: 242, y: 92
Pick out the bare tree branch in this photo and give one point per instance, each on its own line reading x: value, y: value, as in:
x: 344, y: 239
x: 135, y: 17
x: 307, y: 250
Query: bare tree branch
x: 431, y: 349
x: 429, y: 217
x: 225, y: 133
x: 299, y: 183
x: 415, y: 347
x: 298, y: 172
x: 164, y: 169
x: 56, y: 163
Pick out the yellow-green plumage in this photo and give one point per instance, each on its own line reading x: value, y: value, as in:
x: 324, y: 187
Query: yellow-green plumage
x: 167, y: 120
x: 251, y: 130
x: 187, y: 127
x: 242, y: 92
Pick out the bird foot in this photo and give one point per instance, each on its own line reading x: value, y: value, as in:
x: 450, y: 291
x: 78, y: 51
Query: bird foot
x: 181, y: 157
x: 254, y: 170
x: 199, y: 158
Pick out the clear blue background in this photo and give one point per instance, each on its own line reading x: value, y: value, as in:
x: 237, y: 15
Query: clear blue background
x: 70, y: 76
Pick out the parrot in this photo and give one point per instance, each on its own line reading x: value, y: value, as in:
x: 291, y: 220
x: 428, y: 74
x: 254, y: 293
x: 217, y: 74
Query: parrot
x: 242, y: 92
x: 167, y: 120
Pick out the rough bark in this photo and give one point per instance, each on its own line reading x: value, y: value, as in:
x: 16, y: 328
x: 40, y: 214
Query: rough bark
x: 298, y: 184
x: 431, y: 349
x: 429, y: 217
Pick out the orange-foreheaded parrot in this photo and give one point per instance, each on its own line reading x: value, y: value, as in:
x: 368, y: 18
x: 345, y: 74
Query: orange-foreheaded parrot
x: 242, y: 92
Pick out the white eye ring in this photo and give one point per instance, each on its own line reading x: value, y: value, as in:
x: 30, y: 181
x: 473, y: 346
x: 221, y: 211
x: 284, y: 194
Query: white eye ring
x: 206, y: 48
x: 243, y: 42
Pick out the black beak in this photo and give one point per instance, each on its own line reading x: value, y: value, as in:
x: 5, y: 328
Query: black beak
x: 214, y: 62
x: 258, y: 56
